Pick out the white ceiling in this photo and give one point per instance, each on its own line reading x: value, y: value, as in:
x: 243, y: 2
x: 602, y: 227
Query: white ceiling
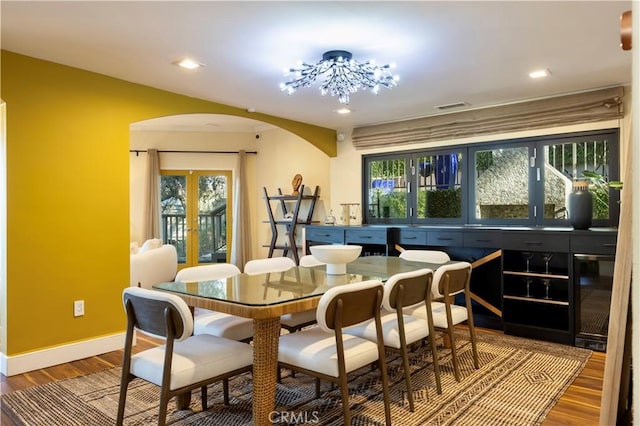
x: 478, y: 52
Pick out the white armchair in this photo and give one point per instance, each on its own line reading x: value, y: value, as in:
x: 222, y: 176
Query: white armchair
x: 153, y: 266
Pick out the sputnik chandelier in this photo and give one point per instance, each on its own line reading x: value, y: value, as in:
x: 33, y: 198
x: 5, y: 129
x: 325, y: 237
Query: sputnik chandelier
x: 343, y: 75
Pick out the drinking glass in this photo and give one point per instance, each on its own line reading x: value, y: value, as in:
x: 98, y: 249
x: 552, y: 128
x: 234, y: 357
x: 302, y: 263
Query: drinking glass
x: 547, y: 258
x: 527, y: 255
x: 528, y: 281
x: 547, y: 284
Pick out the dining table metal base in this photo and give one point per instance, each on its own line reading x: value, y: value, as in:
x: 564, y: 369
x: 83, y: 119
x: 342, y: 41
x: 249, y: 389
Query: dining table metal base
x: 266, y: 334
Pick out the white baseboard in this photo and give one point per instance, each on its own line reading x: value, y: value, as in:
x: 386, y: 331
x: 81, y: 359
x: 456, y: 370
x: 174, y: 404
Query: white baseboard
x: 18, y: 364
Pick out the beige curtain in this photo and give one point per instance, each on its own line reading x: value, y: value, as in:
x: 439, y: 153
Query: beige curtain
x: 615, y: 369
x: 152, y: 222
x: 597, y: 105
x: 241, y: 244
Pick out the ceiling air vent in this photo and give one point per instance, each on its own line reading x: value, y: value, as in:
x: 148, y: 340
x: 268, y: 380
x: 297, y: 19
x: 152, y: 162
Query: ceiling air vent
x: 445, y: 107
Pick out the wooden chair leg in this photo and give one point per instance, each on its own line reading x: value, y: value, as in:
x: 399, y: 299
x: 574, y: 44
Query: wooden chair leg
x: 203, y: 393
x: 162, y: 414
x: 385, y: 388
x: 407, y: 379
x: 436, y: 362
x: 454, y: 354
x: 344, y: 388
x: 122, y: 400
x: 225, y: 391
x: 474, y: 348
x: 183, y: 400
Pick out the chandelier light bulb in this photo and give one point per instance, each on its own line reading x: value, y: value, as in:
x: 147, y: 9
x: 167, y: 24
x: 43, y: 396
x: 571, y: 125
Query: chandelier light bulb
x: 342, y: 75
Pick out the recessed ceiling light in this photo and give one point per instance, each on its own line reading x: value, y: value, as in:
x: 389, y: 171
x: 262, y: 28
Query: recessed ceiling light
x: 189, y: 64
x: 539, y: 74
x: 342, y: 111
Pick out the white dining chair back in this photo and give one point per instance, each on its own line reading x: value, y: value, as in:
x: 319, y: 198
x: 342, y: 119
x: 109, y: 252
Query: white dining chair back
x: 185, y: 362
x: 326, y: 353
x: 449, y: 281
x: 215, y: 271
x: 290, y: 322
x: 216, y: 323
x: 430, y: 256
x: 271, y: 264
x: 310, y: 261
x: 399, y: 330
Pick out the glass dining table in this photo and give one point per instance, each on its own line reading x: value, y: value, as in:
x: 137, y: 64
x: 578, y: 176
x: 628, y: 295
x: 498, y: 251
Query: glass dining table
x: 265, y: 297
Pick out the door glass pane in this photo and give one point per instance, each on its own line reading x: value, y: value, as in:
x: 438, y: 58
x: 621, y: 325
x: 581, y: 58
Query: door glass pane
x: 173, y: 208
x: 502, y: 183
x: 387, y: 189
x: 439, y: 186
x: 567, y: 162
x: 212, y: 219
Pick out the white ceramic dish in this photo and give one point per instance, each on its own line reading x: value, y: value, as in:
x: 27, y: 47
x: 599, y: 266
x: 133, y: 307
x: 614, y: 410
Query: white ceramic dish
x: 336, y: 256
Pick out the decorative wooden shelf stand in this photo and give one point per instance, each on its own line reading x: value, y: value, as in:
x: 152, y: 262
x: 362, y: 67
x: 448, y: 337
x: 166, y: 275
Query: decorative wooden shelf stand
x: 290, y: 205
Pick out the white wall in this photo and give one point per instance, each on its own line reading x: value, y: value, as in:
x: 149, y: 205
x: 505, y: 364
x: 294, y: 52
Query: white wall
x: 280, y: 156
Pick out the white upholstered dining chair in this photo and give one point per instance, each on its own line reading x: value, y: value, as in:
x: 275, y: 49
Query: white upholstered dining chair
x: 327, y: 353
x: 213, y: 322
x: 399, y: 330
x: 270, y: 264
x: 290, y: 322
x: 449, y: 281
x: 185, y: 362
x: 309, y: 261
x: 430, y: 256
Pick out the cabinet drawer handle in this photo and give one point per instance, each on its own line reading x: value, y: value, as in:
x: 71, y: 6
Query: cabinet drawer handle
x: 608, y: 245
x: 444, y: 239
x: 409, y: 238
x: 365, y: 236
x: 483, y: 241
x: 324, y: 235
x: 533, y: 243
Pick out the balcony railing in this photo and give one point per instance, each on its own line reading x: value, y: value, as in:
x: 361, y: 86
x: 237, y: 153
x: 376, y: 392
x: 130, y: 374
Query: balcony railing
x: 212, y: 235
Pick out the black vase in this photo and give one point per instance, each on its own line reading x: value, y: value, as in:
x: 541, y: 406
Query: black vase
x: 580, y: 206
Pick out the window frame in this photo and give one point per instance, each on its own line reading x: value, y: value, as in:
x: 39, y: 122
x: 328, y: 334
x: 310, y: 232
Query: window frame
x: 463, y: 167
x: 536, y: 148
x: 366, y: 182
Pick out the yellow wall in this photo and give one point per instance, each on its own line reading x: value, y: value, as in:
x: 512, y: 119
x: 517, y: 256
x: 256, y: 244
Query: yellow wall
x: 68, y: 194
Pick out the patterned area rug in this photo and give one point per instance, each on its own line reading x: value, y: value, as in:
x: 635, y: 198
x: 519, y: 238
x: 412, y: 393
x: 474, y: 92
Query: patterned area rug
x: 518, y: 382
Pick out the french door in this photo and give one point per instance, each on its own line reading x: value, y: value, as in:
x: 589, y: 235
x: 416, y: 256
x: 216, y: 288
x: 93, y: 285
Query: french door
x: 195, y: 208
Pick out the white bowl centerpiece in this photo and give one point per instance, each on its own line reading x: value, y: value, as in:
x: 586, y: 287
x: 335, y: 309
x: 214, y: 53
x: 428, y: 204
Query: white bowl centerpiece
x: 336, y: 256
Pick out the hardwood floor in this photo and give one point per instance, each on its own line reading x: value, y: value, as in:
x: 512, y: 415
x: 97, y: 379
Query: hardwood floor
x: 579, y: 406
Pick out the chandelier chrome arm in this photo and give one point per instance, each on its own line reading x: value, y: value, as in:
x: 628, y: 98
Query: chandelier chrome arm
x: 343, y: 76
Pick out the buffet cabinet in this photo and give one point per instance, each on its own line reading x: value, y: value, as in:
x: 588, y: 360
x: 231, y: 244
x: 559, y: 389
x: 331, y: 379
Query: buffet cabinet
x: 375, y: 240
x: 536, y: 288
x: 541, y: 284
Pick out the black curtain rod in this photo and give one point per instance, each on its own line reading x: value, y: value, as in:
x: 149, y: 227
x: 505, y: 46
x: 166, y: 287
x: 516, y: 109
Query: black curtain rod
x: 138, y: 151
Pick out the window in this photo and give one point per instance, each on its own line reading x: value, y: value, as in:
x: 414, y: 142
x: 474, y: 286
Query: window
x: 515, y: 182
x: 439, y: 187
x: 387, y: 189
x: 196, y: 214
x: 415, y: 187
x: 501, y: 184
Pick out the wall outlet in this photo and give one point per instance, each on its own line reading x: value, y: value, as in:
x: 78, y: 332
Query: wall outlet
x: 78, y: 308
